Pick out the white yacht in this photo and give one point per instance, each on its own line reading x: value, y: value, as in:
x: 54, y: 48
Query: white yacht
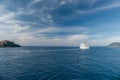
x: 84, y: 45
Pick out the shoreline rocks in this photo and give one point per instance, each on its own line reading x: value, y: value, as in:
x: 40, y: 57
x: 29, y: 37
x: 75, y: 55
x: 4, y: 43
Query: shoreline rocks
x: 115, y: 44
x: 7, y: 43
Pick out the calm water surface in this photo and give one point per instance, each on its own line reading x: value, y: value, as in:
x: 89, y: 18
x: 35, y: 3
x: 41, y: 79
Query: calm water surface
x: 59, y: 63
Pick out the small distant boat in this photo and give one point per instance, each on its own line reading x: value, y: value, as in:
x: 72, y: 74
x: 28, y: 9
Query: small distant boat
x: 84, y: 45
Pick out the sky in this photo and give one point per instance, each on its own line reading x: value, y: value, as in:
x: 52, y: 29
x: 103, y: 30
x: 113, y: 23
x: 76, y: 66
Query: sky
x: 60, y: 22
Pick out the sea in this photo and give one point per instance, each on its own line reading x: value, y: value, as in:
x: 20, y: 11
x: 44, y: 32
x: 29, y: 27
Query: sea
x: 59, y: 63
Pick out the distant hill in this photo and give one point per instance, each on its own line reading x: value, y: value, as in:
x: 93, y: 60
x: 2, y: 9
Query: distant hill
x: 115, y: 44
x: 7, y: 43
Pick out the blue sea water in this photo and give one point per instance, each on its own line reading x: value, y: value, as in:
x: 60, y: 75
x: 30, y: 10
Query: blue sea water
x: 59, y: 63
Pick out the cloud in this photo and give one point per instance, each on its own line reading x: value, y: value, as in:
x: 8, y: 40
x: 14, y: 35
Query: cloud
x: 77, y: 37
x: 60, y: 29
x: 10, y: 26
x: 9, y: 32
x: 39, y: 37
x: 108, y: 5
x: 103, y: 41
x: 8, y: 17
x: 62, y: 2
x: 36, y: 23
x: 71, y: 40
x: 34, y: 2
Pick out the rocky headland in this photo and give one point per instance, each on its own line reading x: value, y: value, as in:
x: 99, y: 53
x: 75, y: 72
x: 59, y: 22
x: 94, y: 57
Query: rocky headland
x: 115, y: 44
x: 7, y: 43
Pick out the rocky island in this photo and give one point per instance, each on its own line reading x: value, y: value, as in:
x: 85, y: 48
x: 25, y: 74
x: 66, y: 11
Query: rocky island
x: 115, y: 44
x: 7, y: 43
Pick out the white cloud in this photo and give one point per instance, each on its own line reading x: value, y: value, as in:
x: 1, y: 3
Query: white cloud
x: 104, y: 41
x: 114, y: 4
x: 59, y: 29
x: 72, y: 40
x: 11, y: 27
x: 9, y: 32
x: 8, y: 17
x: 34, y: 2
x: 109, y: 6
x: 77, y: 37
x: 26, y: 38
x: 62, y: 2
